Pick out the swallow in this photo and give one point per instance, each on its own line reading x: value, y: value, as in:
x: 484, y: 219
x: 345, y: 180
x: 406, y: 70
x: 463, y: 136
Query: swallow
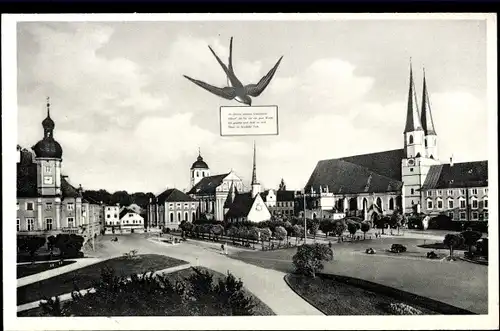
x: 236, y: 90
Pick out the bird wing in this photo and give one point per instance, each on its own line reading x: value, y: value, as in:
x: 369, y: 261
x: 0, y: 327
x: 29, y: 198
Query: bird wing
x: 231, y: 56
x: 255, y: 90
x: 229, y: 73
x: 225, y: 92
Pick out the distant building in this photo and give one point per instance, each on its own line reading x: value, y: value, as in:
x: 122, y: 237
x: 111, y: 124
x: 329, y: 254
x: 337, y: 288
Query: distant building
x: 458, y: 190
x: 403, y: 179
x: 47, y: 204
x: 112, y: 216
x: 280, y: 203
x: 136, y: 208
x: 131, y: 221
x: 248, y: 206
x: 211, y: 191
x: 170, y: 208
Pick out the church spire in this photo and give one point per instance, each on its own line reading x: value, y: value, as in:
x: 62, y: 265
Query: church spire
x: 426, y: 115
x: 254, y: 171
x: 412, y: 115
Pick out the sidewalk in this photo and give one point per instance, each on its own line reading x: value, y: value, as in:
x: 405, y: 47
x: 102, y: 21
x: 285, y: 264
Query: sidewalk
x: 67, y: 296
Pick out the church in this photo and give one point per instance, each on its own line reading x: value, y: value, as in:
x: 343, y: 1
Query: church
x: 403, y: 179
x: 47, y: 204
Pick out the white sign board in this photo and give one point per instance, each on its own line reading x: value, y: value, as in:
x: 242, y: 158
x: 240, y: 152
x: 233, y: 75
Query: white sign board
x: 248, y: 120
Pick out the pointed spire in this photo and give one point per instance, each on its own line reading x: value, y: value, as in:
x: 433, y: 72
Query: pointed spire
x: 426, y: 115
x: 254, y: 171
x: 412, y: 115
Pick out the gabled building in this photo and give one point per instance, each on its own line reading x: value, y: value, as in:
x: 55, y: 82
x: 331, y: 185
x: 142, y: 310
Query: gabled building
x: 171, y: 207
x: 131, y: 221
x: 47, y: 203
x: 280, y: 202
x: 458, y: 190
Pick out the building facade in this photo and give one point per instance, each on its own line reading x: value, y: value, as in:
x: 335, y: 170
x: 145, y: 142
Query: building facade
x: 131, y: 221
x: 112, y: 216
x: 381, y: 183
x: 171, y: 207
x: 47, y: 204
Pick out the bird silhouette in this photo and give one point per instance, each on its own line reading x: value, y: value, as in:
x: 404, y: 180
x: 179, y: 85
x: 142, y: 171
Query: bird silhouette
x: 236, y: 90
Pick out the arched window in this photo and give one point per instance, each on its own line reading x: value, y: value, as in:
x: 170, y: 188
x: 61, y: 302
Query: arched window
x: 171, y: 217
x: 425, y: 142
x: 379, y: 202
x: 391, y: 204
x: 197, y: 174
x: 203, y: 173
x: 365, y: 204
x: 410, y: 139
x: 194, y: 216
x: 186, y: 216
x: 353, y: 204
x: 178, y: 216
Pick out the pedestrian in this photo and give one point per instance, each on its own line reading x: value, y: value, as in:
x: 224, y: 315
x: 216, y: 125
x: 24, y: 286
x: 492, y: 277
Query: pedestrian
x: 222, y: 248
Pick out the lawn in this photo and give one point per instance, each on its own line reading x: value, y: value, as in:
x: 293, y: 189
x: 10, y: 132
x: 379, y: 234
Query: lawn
x: 144, y: 309
x: 338, y: 298
x: 24, y: 270
x: 87, y: 276
x: 461, y: 284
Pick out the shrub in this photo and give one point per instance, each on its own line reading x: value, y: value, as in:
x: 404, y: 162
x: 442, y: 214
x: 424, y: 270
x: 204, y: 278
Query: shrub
x: 470, y: 238
x: 452, y: 240
x: 482, y: 247
x: 398, y: 248
x: 30, y: 244
x: 310, y: 258
x: 69, y: 245
x: 352, y: 228
x: 402, y: 309
x: 280, y: 233
x: 365, y: 227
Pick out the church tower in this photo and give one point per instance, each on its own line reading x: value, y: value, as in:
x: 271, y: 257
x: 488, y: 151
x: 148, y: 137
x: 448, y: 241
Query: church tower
x: 431, y: 139
x: 418, y: 160
x: 48, y: 157
x: 255, y: 183
x: 199, y: 170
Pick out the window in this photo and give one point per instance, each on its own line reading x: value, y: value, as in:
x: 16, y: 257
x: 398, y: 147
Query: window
x: 462, y: 215
x: 485, y: 191
x: 178, y: 216
x: 450, y: 204
x: 429, y: 204
x: 108, y: 216
x: 186, y: 205
x: 186, y: 216
x: 450, y: 215
x: 194, y: 216
x: 71, y: 222
x: 130, y: 215
x: 439, y: 193
x: 410, y: 139
x: 48, y: 206
x: 171, y: 217
x: 18, y: 225
x: 47, y: 169
x: 193, y: 205
x: 116, y: 215
x: 475, y: 215
x: 450, y: 192
x: 411, y: 169
x: 440, y: 204
x: 70, y: 206
x: 48, y: 224
x: 462, y: 203
x: 474, y: 191
x: 170, y: 205
x: 29, y: 206
x: 412, y: 191
x: 486, y: 215
x: 485, y: 202
x: 30, y: 224
x: 197, y: 174
x: 17, y: 205
x: 178, y: 205
x: 391, y: 204
x: 429, y: 193
x: 474, y: 203
x: 462, y: 191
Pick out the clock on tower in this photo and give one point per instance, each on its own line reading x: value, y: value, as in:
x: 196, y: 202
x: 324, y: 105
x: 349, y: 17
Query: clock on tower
x: 47, y: 180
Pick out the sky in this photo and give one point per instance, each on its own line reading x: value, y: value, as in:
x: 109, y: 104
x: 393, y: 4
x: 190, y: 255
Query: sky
x: 128, y: 120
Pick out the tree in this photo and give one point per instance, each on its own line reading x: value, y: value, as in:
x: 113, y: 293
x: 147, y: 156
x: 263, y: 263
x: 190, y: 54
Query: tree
x: 352, y: 228
x: 280, y: 233
x: 365, y: 227
x: 289, y: 229
x: 69, y: 244
x: 216, y: 230
x: 51, y: 243
x: 396, y: 220
x: 310, y: 258
x: 381, y: 222
x: 31, y: 244
x: 340, y: 227
x: 253, y: 234
x: 470, y: 238
x: 452, y: 240
x: 265, y: 235
x: 326, y: 226
x: 314, y: 228
x: 232, y: 232
x: 296, y: 232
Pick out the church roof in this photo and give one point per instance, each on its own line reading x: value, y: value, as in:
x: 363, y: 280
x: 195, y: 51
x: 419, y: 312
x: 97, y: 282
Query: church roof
x: 368, y: 173
x: 413, y: 122
x: 173, y: 195
x: 241, y: 205
x: 207, y: 185
x: 466, y: 174
x: 426, y: 114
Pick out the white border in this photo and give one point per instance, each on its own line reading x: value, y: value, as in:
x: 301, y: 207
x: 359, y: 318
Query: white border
x: 9, y: 134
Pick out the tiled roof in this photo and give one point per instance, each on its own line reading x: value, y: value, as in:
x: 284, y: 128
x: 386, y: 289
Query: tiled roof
x: 285, y: 195
x: 68, y: 190
x: 207, y: 185
x: 387, y: 163
x: 241, y: 205
x: 173, y: 195
x: 466, y: 174
x: 341, y: 176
